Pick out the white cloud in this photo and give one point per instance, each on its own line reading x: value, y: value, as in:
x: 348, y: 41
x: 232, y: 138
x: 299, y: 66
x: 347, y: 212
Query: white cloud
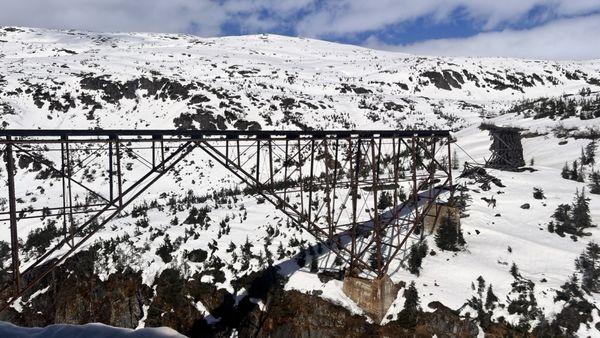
x: 575, y: 38
x: 332, y: 19
x: 206, y: 17
x: 115, y: 15
x: 340, y: 17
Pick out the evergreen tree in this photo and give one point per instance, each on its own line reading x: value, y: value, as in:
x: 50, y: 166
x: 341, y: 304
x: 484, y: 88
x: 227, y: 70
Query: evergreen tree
x: 562, y: 215
x: 301, y: 258
x: 415, y: 258
x: 572, y: 219
x: 385, y: 200
x: 581, y: 212
x: 514, y: 271
x: 247, y: 248
x: 595, y: 183
x: 411, y: 299
x: 280, y: 251
x: 449, y: 236
x: 588, y: 265
x: 577, y: 172
x: 569, y: 290
x: 480, y: 285
x: 590, y: 153
x: 490, y: 298
x: 566, y: 171
x: 583, y: 158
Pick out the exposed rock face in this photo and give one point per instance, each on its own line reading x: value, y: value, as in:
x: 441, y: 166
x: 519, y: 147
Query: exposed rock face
x: 76, y: 295
x: 294, y: 314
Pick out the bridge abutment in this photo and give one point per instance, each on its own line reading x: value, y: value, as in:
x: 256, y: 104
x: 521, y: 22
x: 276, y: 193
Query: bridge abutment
x: 374, y: 296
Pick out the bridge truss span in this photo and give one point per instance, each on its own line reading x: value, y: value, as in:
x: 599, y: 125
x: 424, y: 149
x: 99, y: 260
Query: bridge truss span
x: 364, y: 194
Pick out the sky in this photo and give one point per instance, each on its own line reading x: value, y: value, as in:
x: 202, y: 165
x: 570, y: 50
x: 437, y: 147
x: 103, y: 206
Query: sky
x: 535, y: 29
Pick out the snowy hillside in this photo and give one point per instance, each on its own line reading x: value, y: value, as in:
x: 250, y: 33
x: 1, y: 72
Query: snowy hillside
x: 199, y: 223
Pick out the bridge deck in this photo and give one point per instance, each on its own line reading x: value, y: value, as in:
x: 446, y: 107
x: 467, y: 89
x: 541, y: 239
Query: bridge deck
x: 227, y: 133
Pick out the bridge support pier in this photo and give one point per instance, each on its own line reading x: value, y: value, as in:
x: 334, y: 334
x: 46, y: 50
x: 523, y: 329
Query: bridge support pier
x: 374, y: 296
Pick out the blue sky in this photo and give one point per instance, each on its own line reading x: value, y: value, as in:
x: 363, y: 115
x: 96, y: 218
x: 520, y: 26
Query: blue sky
x: 546, y: 29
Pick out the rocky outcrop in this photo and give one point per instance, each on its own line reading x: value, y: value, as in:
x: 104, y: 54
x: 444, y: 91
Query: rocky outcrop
x: 74, y: 294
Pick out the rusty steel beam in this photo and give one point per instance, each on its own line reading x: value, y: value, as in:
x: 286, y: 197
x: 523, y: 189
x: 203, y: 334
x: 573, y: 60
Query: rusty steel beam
x: 344, y: 168
x: 14, y: 239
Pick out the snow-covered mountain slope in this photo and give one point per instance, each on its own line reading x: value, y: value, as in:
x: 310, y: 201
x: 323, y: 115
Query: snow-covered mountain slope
x: 69, y: 79
x: 56, y: 79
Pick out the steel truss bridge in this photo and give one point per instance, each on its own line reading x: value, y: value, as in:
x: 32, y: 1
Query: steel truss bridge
x: 364, y: 194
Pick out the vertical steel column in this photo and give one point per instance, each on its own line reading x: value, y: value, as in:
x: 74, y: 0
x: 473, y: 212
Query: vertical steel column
x: 258, y: 160
x: 376, y: 223
x: 354, y: 193
x: 301, y: 179
x: 285, y: 173
x: 69, y: 187
x: 335, y: 176
x: 415, y: 192
x: 271, y: 178
x: 226, y: 148
x: 237, y: 145
x: 153, y: 153
x: 156, y: 138
x: 395, y: 158
x: 110, y: 170
x: 63, y: 174
x: 162, y: 154
x: 328, y: 218
x: 14, y: 239
x: 431, y: 172
x: 312, y: 168
x: 449, y: 161
x: 119, y: 176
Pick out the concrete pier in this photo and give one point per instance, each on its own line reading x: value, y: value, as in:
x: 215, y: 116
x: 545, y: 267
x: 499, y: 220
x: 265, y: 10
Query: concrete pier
x: 374, y: 296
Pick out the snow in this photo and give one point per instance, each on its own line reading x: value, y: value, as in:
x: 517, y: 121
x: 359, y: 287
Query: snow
x: 92, y: 330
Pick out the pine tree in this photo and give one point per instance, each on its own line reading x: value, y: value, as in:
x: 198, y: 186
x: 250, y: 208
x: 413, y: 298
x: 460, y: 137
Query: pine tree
x: 415, y: 258
x: 385, y: 200
x: 581, y: 212
x: 562, y: 215
x: 569, y: 290
x: 590, y: 152
x: 583, y: 158
x: 514, y: 271
x: 411, y: 299
x: 595, y: 182
x: 449, y: 236
x: 280, y: 251
x: 480, y: 285
x: 490, y: 298
x: 588, y: 265
x: 566, y: 171
x: 576, y: 173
